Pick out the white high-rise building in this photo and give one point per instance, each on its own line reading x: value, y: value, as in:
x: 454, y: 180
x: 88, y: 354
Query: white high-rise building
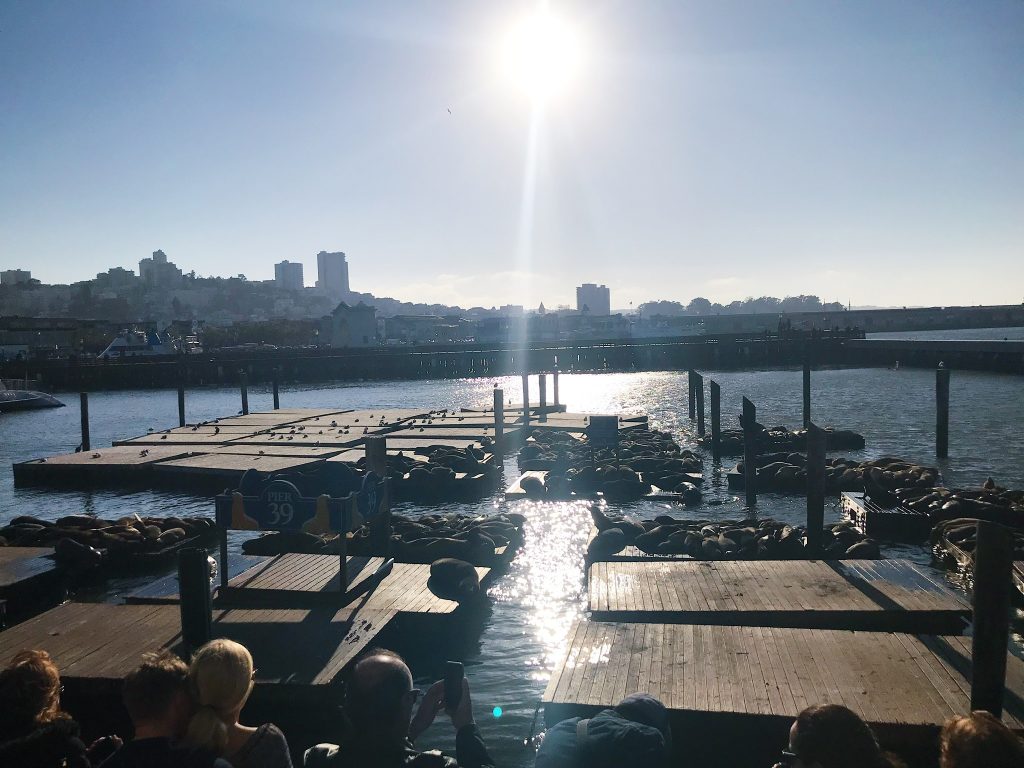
x: 288, y: 275
x: 332, y: 273
x: 595, y: 299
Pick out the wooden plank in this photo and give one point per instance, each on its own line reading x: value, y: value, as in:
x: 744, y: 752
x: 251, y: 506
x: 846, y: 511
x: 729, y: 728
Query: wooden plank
x: 231, y: 464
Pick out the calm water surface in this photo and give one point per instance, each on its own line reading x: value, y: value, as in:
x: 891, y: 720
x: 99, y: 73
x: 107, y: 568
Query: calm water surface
x: 509, y: 661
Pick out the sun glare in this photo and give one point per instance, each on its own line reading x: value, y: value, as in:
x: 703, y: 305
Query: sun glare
x: 542, y: 55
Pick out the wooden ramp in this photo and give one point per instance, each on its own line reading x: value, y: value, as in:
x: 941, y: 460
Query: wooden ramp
x: 878, y: 595
x: 298, y: 653
x: 26, y: 573
x: 292, y: 578
x: 723, y: 681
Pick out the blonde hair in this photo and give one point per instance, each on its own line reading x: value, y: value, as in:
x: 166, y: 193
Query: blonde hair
x: 979, y: 740
x: 220, y: 679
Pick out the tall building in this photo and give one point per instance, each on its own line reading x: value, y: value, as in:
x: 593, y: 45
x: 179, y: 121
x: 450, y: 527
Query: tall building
x: 158, y: 271
x: 14, y: 276
x: 288, y: 275
x: 332, y: 273
x: 594, y: 299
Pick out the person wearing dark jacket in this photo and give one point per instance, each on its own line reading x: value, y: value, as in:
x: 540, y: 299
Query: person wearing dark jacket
x: 156, y: 696
x: 34, y: 731
x: 379, y: 704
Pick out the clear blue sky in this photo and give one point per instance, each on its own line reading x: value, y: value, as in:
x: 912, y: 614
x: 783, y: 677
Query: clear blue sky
x: 864, y: 151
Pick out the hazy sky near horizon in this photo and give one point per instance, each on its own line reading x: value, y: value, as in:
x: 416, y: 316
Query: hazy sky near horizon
x: 868, y: 151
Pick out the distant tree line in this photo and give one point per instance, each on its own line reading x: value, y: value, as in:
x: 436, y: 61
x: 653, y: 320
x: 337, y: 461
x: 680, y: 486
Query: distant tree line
x: 749, y: 306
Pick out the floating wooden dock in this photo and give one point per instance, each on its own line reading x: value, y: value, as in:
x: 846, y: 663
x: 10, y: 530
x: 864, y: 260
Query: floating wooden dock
x: 26, y: 574
x: 515, y: 490
x: 741, y: 687
x: 899, y: 523
x: 876, y: 595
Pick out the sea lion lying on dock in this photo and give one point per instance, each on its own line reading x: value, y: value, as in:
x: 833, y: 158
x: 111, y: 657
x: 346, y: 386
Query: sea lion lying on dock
x: 453, y: 579
x: 781, y: 438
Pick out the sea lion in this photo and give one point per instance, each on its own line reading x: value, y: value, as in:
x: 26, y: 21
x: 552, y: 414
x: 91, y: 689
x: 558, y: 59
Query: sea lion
x: 453, y: 579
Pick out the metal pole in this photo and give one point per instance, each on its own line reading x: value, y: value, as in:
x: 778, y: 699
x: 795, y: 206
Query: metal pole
x: 942, y: 412
x: 499, y: 419
x: 815, y: 488
x: 699, y: 389
x: 749, y: 453
x: 83, y: 398
x: 194, y: 596
x: 716, y: 421
x: 993, y: 563
x: 244, y: 377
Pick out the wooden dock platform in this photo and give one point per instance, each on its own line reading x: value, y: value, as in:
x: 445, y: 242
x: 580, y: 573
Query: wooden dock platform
x: 26, y: 575
x: 741, y: 687
x: 876, y: 595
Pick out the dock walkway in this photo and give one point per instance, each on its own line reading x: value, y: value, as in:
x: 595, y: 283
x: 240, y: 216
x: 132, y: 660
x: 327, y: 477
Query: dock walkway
x: 26, y: 573
x: 877, y: 595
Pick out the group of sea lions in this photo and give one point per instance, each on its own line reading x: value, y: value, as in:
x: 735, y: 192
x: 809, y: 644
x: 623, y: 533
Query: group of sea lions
x: 962, y: 532
x: 84, y: 541
x: 774, y: 439
x: 645, y: 459
x: 990, y: 502
x: 750, y: 539
x: 438, y: 478
x: 787, y: 473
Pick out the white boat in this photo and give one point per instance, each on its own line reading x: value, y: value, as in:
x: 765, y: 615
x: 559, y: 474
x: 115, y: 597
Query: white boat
x: 133, y: 343
x: 25, y: 400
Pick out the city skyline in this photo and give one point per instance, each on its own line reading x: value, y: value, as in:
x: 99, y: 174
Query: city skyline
x: 867, y: 153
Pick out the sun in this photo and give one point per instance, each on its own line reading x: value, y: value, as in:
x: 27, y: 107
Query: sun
x: 542, y: 55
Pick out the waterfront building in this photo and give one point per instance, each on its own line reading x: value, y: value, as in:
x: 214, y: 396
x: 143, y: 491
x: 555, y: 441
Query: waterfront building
x: 349, y: 326
x: 157, y: 271
x: 332, y: 273
x: 594, y: 299
x: 288, y: 275
x: 15, y: 276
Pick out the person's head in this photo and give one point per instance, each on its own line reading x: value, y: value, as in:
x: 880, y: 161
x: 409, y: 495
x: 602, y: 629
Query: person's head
x: 832, y: 736
x: 156, y: 695
x: 220, y: 681
x: 381, y: 695
x: 30, y: 691
x: 979, y: 740
x: 635, y: 733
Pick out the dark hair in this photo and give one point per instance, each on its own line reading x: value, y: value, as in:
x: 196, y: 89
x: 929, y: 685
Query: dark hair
x: 30, y: 691
x: 979, y: 740
x: 374, y: 699
x: 150, y: 688
x: 836, y: 737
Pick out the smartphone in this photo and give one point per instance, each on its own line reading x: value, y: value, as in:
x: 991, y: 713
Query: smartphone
x: 453, y: 674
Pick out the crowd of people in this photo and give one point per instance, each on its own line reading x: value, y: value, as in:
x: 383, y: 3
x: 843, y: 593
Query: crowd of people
x: 188, y: 715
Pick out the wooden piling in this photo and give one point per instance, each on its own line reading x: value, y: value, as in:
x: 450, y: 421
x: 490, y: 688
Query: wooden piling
x: 716, y: 421
x: 815, y: 487
x: 700, y: 404
x: 749, y: 453
x: 244, y: 379
x: 83, y: 398
x: 277, y: 393
x: 993, y: 563
x: 380, y: 523
x: 542, y: 381
x: 692, y: 393
x: 194, y: 590
x: 499, y: 419
x: 554, y: 386
x: 942, y: 412
x: 526, y: 399
x: 807, y: 391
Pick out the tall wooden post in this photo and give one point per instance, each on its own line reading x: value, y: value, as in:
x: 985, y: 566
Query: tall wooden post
x: 554, y: 386
x: 699, y: 384
x: 542, y: 382
x: 276, y: 387
x: 807, y: 391
x: 181, y: 403
x: 942, y: 412
x: 815, y: 487
x: 244, y: 378
x: 83, y: 398
x: 380, y: 523
x: 749, y: 453
x: 499, y: 419
x: 194, y: 598
x: 526, y: 399
x: 692, y: 393
x: 716, y: 421
x: 993, y: 563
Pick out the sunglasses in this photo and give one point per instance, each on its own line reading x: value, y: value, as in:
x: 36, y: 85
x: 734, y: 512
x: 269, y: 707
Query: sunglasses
x: 788, y: 758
